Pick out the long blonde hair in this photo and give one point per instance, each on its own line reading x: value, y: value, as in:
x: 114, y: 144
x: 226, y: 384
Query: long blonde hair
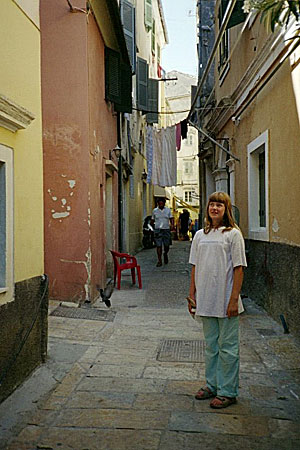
x: 228, y: 219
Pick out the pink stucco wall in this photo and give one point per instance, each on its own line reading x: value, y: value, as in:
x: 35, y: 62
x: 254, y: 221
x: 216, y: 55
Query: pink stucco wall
x: 76, y: 121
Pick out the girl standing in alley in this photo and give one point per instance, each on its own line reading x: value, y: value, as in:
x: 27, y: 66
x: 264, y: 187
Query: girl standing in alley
x: 218, y: 257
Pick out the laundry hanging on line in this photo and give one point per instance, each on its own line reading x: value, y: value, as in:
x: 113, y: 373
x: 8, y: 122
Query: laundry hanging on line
x: 161, y: 156
x: 184, y: 126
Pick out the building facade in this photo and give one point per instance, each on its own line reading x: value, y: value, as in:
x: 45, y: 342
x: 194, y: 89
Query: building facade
x: 86, y: 82
x: 255, y: 117
x: 146, y: 36
x: 23, y: 287
x: 178, y: 94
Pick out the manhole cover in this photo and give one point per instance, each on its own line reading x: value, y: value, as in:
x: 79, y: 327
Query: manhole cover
x: 84, y: 313
x: 266, y: 332
x: 175, y: 350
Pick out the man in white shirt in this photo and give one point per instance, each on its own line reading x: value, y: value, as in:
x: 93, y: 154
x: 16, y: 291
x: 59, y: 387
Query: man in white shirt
x: 162, y: 218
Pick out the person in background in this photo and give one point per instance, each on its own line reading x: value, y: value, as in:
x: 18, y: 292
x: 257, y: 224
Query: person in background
x: 192, y: 229
x: 218, y: 257
x: 184, y: 221
x: 162, y: 219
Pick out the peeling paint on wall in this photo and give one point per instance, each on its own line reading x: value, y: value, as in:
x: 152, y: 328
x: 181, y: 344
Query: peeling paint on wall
x: 88, y: 265
x: 57, y: 215
x: 275, y: 226
x: 63, y: 201
x: 72, y: 183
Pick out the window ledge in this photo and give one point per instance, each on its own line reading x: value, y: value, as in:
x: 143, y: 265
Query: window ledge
x: 260, y: 234
x: 13, y: 116
x: 110, y: 165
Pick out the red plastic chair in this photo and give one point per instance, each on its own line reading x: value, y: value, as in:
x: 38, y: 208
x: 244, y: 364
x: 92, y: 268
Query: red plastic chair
x: 131, y: 263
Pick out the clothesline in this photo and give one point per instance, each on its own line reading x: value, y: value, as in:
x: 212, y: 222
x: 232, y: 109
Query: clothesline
x: 184, y: 111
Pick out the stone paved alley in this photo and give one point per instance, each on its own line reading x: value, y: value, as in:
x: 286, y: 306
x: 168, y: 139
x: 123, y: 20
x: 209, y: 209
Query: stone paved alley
x: 128, y: 381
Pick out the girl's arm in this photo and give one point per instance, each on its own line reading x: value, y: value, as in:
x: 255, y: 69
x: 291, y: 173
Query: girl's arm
x: 192, y: 291
x: 238, y: 275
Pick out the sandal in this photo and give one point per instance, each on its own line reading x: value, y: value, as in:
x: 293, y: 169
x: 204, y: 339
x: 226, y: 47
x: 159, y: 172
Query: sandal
x: 204, y: 393
x: 225, y: 401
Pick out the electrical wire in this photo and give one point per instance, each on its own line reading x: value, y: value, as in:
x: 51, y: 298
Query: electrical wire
x: 12, y: 360
x: 179, y: 112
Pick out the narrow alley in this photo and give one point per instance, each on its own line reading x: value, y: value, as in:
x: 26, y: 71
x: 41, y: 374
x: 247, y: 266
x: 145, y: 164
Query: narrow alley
x: 126, y: 379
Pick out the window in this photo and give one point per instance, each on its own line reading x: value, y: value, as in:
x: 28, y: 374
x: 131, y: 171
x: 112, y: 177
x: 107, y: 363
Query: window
x: 153, y: 37
x: 6, y: 224
x: 118, y: 81
x: 152, y: 101
x: 127, y: 12
x: 142, y: 84
x: 190, y: 140
x: 258, y: 188
x: 148, y: 14
x: 237, y: 16
x: 223, y: 47
x: 188, y: 167
x: 188, y: 196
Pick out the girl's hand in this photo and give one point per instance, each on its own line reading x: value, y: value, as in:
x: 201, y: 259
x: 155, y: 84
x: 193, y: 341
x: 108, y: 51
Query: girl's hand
x: 232, y: 308
x: 192, y: 304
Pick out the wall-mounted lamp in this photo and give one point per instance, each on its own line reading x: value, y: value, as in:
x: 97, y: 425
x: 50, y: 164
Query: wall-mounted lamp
x: 116, y: 151
x: 144, y: 175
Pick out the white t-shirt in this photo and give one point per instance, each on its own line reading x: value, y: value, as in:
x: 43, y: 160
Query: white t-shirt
x: 214, y: 256
x: 161, y: 218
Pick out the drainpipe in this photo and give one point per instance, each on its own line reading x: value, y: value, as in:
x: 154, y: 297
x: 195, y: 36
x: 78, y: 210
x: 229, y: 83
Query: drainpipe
x: 120, y: 190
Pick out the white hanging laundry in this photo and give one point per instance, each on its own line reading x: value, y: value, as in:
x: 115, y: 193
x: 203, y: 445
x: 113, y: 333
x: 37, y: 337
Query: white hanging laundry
x: 169, y: 170
x: 157, y: 157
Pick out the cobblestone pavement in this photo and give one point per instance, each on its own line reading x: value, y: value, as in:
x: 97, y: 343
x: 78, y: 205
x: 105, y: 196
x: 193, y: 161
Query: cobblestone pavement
x: 128, y: 381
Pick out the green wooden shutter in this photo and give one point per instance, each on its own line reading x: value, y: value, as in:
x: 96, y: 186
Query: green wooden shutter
x: 152, y: 101
x: 153, y: 37
x: 125, y: 105
x: 142, y: 84
x: 262, y: 190
x: 148, y: 13
x: 237, y: 16
x: 112, y: 76
x: 127, y: 12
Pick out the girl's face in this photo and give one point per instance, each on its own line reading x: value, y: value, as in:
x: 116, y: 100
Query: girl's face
x: 216, y: 211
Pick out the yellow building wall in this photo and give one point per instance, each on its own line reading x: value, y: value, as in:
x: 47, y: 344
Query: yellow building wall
x: 275, y: 110
x: 20, y: 82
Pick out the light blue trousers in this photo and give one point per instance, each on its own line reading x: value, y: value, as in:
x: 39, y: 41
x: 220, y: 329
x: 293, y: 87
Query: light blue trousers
x: 222, y: 359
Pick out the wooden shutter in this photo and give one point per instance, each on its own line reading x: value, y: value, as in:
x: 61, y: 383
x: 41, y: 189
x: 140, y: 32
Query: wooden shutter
x: 112, y: 76
x: 125, y: 104
x: 262, y: 190
x: 152, y: 101
x: 153, y: 37
x: 148, y: 13
x: 237, y: 16
x: 127, y: 12
x: 142, y: 84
